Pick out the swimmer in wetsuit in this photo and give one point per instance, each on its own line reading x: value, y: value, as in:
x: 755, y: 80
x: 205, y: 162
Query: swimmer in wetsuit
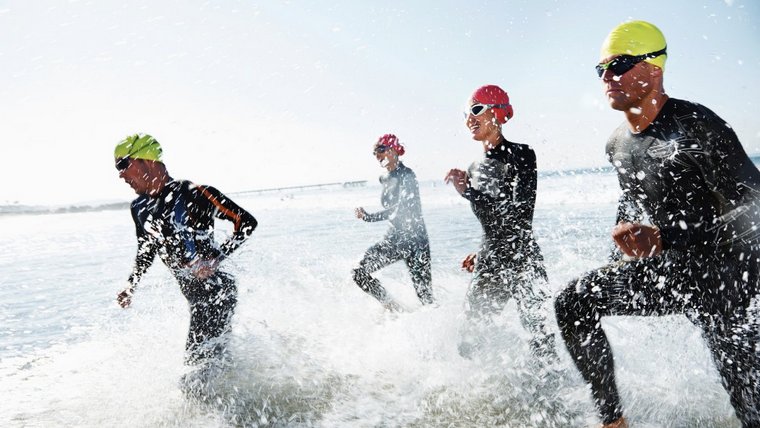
x: 501, y: 190
x: 684, y: 169
x: 407, y: 237
x: 175, y: 219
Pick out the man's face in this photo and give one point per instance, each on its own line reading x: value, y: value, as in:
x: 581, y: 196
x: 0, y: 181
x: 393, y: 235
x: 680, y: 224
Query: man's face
x: 626, y: 92
x: 483, y: 127
x: 135, y: 174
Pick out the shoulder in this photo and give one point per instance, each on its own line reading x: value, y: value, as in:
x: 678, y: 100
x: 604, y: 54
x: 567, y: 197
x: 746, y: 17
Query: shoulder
x: 139, y: 203
x: 697, y: 120
x: 405, y: 171
x: 519, y: 153
x: 686, y: 111
x: 617, y: 139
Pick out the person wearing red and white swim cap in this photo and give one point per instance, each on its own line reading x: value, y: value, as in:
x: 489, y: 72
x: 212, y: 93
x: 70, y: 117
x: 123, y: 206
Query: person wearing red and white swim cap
x: 501, y: 189
x: 407, y: 237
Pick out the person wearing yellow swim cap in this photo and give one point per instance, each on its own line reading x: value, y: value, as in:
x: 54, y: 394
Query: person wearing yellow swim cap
x: 683, y: 170
x: 175, y: 220
x: 138, y: 160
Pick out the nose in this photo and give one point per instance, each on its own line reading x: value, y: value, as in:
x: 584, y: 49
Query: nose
x: 608, y: 75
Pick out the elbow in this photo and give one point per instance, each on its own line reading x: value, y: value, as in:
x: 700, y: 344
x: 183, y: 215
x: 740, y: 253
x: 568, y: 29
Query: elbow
x: 249, y: 225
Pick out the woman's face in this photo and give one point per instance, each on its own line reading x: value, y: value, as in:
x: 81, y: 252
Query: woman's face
x: 483, y: 127
x: 386, y: 156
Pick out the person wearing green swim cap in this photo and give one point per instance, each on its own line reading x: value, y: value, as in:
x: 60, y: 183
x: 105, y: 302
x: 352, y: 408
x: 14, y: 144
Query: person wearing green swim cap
x: 686, y: 237
x: 174, y: 219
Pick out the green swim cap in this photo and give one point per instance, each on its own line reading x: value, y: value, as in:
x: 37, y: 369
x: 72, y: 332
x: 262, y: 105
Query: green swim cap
x: 138, y: 146
x: 635, y: 38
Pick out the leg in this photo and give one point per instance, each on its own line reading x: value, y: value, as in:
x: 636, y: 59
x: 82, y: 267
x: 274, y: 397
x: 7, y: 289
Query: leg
x: 487, y: 293
x: 377, y: 257
x: 734, y: 348
x: 419, y: 267
x: 531, y: 299
x: 651, y: 286
x: 732, y: 333
x: 212, y: 304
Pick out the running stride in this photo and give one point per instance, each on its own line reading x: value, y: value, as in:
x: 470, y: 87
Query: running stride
x: 407, y: 237
x: 175, y: 219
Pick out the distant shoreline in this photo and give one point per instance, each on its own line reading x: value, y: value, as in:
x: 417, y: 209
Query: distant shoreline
x: 21, y: 209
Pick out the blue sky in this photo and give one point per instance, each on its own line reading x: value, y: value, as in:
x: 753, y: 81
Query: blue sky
x: 255, y: 94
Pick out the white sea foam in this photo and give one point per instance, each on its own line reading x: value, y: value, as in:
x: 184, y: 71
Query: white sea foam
x: 308, y: 347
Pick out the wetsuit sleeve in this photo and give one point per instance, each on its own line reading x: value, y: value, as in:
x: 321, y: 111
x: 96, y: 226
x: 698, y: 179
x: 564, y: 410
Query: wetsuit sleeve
x: 404, y: 195
x: 735, y: 183
x: 226, y: 209
x: 380, y: 215
x: 504, y: 197
x: 147, y: 246
x: 628, y: 211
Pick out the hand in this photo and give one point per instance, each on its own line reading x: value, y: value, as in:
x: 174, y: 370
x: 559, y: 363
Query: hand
x: 637, y: 240
x: 459, y: 179
x: 360, y: 213
x: 203, y: 269
x: 124, y: 299
x: 468, y: 263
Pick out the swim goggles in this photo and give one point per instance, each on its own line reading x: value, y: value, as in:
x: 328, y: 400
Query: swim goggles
x: 624, y: 63
x: 123, y: 163
x: 478, y: 109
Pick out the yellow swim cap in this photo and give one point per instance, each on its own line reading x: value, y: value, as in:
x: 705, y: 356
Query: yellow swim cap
x: 138, y: 146
x: 635, y: 38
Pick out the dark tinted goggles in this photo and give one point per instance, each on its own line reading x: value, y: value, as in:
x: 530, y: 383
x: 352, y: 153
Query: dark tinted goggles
x: 122, y: 163
x: 379, y: 149
x: 624, y: 63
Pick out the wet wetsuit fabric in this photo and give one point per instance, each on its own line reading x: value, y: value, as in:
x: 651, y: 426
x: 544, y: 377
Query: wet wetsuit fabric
x: 405, y: 240
x: 689, y: 175
x: 509, y: 263
x: 178, y: 225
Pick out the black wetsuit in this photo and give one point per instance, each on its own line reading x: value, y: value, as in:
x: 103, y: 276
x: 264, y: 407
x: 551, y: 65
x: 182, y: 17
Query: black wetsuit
x: 502, y: 195
x: 405, y: 240
x: 689, y: 175
x: 178, y: 225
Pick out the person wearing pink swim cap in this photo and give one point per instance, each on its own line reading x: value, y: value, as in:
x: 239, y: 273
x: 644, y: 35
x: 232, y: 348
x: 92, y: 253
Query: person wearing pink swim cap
x: 501, y: 189
x: 406, y: 238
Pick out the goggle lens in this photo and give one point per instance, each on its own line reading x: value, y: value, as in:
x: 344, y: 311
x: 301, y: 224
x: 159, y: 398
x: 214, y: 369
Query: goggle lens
x: 379, y: 149
x: 624, y: 63
x: 122, y: 164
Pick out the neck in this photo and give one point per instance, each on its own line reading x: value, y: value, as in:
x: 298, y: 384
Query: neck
x: 492, y: 142
x: 158, y: 184
x: 640, y: 116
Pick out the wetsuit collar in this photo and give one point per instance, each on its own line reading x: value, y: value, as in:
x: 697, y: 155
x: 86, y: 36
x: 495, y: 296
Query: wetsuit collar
x: 399, y: 167
x: 501, y: 147
x: 665, y: 110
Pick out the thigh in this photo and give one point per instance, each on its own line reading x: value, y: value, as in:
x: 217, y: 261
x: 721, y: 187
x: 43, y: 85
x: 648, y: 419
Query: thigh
x: 418, y: 259
x: 212, y: 308
x: 380, y: 255
x: 653, y: 286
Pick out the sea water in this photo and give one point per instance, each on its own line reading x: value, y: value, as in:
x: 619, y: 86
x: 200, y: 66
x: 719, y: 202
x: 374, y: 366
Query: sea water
x: 308, y: 347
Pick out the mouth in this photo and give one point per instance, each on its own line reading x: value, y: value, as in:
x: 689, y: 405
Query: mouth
x: 384, y: 162
x: 611, y: 90
x: 474, y: 128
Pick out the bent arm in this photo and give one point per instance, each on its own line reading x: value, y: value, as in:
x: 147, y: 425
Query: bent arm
x: 226, y: 209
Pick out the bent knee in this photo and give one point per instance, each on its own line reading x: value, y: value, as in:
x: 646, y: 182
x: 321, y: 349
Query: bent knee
x: 569, y: 303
